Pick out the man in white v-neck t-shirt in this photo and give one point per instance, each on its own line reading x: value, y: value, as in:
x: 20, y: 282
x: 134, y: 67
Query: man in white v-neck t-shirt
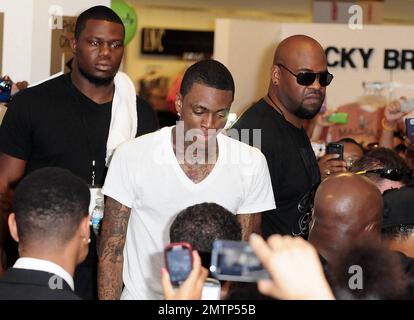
x: 152, y: 178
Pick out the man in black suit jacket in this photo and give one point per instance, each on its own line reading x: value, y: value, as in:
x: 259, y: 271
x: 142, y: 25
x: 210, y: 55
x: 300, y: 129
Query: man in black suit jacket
x: 51, y: 225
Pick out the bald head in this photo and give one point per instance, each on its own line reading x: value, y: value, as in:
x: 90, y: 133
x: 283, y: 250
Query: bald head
x: 346, y: 206
x: 294, y: 47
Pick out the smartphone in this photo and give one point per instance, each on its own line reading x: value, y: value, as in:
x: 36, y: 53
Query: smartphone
x: 407, y: 105
x: 236, y: 261
x: 211, y: 289
x: 409, y: 129
x: 5, y: 90
x: 333, y: 148
x: 179, y: 261
x: 339, y: 118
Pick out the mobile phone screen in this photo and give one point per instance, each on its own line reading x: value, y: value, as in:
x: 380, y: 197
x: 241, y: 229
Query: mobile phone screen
x: 179, y: 264
x: 236, y: 261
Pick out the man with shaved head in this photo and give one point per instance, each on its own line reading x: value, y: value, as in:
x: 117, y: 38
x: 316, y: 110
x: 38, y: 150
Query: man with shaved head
x: 299, y: 77
x: 347, y: 206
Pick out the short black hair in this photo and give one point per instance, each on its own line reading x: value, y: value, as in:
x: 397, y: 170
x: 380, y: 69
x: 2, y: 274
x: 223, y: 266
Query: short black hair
x: 210, y: 73
x: 381, y: 273
x: 203, y: 223
x: 49, y: 205
x: 96, y: 13
x: 402, y: 231
x: 381, y: 158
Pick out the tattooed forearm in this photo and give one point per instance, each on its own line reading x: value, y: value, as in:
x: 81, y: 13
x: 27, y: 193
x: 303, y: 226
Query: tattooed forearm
x: 110, y: 249
x: 250, y: 223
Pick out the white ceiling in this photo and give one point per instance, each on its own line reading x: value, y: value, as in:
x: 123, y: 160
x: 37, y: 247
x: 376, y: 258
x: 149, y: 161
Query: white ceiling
x: 394, y: 10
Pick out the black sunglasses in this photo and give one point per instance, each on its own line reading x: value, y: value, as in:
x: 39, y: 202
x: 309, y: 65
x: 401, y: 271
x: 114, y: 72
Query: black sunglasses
x: 306, y: 78
x: 390, y: 174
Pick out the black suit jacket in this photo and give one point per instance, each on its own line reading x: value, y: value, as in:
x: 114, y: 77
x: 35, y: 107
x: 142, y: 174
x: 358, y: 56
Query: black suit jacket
x: 22, y: 284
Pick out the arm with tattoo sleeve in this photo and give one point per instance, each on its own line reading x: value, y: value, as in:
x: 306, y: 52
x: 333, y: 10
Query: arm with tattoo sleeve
x: 250, y: 223
x: 110, y: 249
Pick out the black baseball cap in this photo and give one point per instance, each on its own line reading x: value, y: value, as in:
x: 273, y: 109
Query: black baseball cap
x: 398, y: 207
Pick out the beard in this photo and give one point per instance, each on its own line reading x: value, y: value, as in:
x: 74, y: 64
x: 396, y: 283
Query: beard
x: 306, y: 114
x: 97, y: 81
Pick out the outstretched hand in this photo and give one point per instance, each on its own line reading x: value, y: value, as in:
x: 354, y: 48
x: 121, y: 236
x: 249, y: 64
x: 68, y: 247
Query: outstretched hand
x: 294, y: 266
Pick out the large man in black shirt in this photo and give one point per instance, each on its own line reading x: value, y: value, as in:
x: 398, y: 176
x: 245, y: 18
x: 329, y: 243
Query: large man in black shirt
x: 299, y: 77
x: 65, y: 122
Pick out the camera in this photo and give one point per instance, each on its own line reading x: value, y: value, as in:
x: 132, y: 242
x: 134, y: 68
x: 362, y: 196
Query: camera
x: 5, y: 90
x: 337, y: 148
x: 179, y: 261
x: 236, y: 261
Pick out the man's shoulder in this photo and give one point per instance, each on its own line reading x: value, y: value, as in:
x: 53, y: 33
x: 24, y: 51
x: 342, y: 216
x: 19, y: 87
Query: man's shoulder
x: 146, y: 141
x: 45, y: 90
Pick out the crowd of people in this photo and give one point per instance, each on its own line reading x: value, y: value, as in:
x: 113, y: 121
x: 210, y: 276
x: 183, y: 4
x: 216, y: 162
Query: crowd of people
x: 85, y: 138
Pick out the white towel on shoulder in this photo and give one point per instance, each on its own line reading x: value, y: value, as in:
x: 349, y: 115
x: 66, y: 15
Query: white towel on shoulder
x: 124, y: 117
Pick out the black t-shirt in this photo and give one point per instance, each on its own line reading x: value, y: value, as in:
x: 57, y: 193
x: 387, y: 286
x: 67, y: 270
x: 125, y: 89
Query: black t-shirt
x: 292, y: 165
x: 54, y: 124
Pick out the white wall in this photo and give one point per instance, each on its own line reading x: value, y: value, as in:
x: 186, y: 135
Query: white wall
x: 27, y: 36
x: 249, y: 57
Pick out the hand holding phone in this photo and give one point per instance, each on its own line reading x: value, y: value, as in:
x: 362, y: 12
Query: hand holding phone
x: 5, y: 89
x: 191, y: 288
x: 335, y: 148
x: 236, y: 261
x: 179, y: 261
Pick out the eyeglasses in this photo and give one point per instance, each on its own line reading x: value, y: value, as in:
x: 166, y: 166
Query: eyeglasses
x: 306, y: 78
x: 390, y: 174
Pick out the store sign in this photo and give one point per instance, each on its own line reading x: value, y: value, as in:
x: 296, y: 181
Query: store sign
x: 360, y: 58
x: 176, y: 42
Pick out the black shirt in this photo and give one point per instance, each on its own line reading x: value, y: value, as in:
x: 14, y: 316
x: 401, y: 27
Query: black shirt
x: 292, y: 165
x: 54, y: 124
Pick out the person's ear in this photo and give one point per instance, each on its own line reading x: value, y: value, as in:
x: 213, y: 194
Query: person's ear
x: 178, y: 103
x: 85, y: 228
x: 73, y: 45
x: 275, y: 75
x: 13, y: 227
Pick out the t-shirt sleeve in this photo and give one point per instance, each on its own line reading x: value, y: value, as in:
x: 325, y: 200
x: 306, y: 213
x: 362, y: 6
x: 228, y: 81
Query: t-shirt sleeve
x: 147, y: 118
x: 259, y: 192
x: 16, y: 129
x: 119, y: 181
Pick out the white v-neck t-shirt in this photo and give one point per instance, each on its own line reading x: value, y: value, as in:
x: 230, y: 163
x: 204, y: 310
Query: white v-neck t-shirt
x: 145, y: 176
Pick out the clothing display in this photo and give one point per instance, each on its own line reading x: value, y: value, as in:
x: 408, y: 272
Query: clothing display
x: 145, y: 176
x: 292, y: 165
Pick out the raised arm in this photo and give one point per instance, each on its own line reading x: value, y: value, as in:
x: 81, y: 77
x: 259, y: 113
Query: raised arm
x: 250, y: 223
x: 110, y: 249
x: 11, y: 171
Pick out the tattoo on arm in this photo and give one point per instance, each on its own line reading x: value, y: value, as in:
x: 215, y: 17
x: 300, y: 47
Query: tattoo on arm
x: 110, y: 249
x: 250, y: 223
